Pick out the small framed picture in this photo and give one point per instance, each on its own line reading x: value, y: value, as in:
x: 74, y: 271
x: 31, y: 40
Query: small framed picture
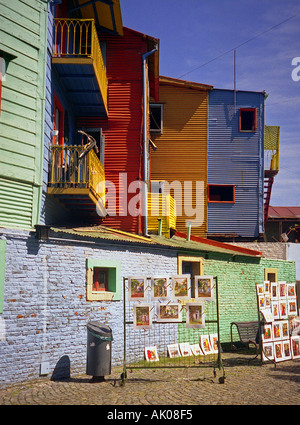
x: 159, y: 287
x: 268, y: 351
x: 295, y: 347
x: 285, y: 333
x: 278, y: 351
x: 275, y: 309
x: 195, y: 315
x: 205, y: 344
x: 294, y: 326
x: 286, y: 346
x: 267, y: 314
x: 283, y: 314
x: 181, y: 286
x: 142, y: 316
x: 267, y: 287
x: 291, y: 290
x: 261, y: 301
x: 282, y: 290
x: 169, y: 312
x: 276, y: 329
x: 196, y: 350
x: 137, y: 288
x: 267, y: 301
x: 260, y: 289
x: 173, y: 350
x: 204, y: 288
x: 292, y: 306
x: 266, y: 333
x: 213, y: 340
x: 151, y: 354
x: 274, y: 291
x: 185, y: 349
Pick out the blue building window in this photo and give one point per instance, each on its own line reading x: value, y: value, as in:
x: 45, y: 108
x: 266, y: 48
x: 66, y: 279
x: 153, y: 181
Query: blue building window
x: 221, y: 193
x: 247, y: 120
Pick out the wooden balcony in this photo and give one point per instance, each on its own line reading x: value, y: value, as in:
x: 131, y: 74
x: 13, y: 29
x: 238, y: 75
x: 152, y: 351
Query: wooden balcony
x: 77, y: 183
x: 78, y: 60
x: 161, y: 207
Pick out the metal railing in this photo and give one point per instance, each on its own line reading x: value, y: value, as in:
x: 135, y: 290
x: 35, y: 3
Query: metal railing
x: 161, y: 206
x: 68, y: 171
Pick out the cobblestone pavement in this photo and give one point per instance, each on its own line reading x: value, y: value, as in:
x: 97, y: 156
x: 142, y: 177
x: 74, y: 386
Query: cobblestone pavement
x: 252, y: 384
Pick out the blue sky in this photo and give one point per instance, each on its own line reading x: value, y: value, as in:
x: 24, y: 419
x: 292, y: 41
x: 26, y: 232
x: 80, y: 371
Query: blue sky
x: 194, y: 32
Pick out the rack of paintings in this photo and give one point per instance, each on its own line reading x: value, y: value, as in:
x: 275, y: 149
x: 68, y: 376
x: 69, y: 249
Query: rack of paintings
x: 171, y: 321
x: 280, y: 327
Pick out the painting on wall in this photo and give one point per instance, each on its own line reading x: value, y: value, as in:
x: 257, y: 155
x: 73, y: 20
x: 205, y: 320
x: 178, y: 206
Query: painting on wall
x: 267, y: 287
x: 276, y: 330
x: 151, y: 354
x: 260, y: 289
x: 291, y: 290
x: 275, y: 309
x: 204, y: 288
x: 292, y: 307
x: 282, y: 290
x: 142, y: 317
x: 283, y: 314
x: 195, y: 315
x: 181, y: 286
x: 169, y: 312
x: 137, y: 288
x: 274, y: 291
x: 266, y: 333
x: 159, y: 287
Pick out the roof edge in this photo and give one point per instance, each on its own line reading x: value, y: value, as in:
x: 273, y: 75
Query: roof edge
x: 183, y: 83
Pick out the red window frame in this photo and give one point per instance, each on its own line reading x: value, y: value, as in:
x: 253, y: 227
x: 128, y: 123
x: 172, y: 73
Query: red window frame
x: 254, y: 126
x: 58, y: 106
x: 220, y: 201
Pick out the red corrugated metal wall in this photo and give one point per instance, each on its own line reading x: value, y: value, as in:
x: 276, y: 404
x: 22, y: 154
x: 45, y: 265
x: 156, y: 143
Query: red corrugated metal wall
x: 123, y: 127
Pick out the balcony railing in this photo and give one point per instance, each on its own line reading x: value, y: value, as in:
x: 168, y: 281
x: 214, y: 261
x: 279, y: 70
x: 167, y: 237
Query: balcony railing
x: 78, y: 39
x: 161, y: 206
x: 272, y: 147
x: 67, y: 171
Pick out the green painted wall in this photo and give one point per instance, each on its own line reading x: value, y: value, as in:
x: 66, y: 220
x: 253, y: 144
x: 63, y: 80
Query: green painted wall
x: 23, y: 40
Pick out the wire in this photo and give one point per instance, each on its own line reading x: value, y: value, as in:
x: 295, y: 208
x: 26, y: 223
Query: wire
x: 240, y: 45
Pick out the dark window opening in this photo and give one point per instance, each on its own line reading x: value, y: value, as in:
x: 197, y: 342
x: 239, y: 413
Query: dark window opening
x: 221, y: 193
x: 156, y: 121
x: 247, y: 120
x: 100, y: 279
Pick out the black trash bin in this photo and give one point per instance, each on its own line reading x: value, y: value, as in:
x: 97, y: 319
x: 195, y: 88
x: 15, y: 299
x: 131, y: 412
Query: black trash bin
x: 99, y: 338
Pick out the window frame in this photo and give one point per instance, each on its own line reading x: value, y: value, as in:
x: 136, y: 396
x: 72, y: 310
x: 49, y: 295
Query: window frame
x: 254, y: 125
x: 156, y: 130
x: 221, y: 202
x: 113, y: 269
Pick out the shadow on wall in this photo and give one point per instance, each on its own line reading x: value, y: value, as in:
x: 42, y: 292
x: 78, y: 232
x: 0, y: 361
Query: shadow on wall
x: 62, y: 369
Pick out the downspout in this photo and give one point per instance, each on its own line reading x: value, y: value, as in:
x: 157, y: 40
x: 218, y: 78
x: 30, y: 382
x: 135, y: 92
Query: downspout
x: 145, y: 138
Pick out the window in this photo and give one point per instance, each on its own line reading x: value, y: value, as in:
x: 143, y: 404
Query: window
x: 271, y: 275
x: 156, y: 118
x: 2, y: 271
x: 221, y: 193
x: 247, y: 119
x: 98, y: 135
x: 103, y: 280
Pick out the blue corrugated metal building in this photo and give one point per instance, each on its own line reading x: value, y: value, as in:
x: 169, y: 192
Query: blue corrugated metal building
x: 235, y: 165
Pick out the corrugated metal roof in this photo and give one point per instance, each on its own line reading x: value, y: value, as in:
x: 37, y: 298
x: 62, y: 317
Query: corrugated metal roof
x: 177, y: 242
x: 284, y: 212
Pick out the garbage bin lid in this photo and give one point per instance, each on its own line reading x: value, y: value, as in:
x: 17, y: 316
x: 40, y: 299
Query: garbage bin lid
x: 100, y: 329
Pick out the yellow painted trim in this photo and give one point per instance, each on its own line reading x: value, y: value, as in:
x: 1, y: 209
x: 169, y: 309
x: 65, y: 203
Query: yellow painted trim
x: 72, y: 61
x: 68, y: 191
x: 190, y: 259
x: 275, y: 271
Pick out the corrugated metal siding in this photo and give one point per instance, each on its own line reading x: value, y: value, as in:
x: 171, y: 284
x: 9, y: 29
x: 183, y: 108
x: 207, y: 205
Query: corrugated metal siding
x: 181, y: 153
x: 235, y: 158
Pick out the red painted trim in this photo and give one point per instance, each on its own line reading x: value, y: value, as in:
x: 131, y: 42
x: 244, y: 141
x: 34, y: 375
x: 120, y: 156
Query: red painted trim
x: 255, y: 120
x: 59, y: 106
x: 221, y: 202
x: 210, y: 242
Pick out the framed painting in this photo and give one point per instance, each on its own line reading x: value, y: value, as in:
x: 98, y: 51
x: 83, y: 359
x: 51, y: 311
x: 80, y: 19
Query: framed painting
x: 181, y: 286
x: 169, y: 312
x: 292, y: 306
x: 205, y: 344
x: 213, y: 340
x: 204, y: 288
x: 151, y: 354
x: 266, y: 333
x: 268, y: 351
x: 286, y: 346
x: 142, y: 316
x: 261, y: 301
x: 196, y: 350
x: 295, y: 347
x: 283, y: 314
x: 278, y: 351
x: 195, y: 316
x: 274, y: 291
x: 173, y: 350
x: 260, y: 289
x: 159, y: 287
x: 267, y: 314
x: 291, y: 290
x: 267, y: 287
x: 276, y: 329
x: 275, y: 309
x: 294, y: 326
x: 185, y: 349
x: 285, y: 333
x: 282, y: 290
x: 267, y: 301
x: 137, y: 288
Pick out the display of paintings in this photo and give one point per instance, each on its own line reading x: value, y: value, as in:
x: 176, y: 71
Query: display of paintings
x: 278, y: 351
x: 181, y: 286
x: 267, y: 287
x: 267, y: 314
x: 274, y: 291
x: 286, y: 347
x: 137, y: 287
x: 159, y: 287
x: 169, y: 312
x: 142, y: 317
x: 268, y: 351
x: 204, y: 288
x: 276, y: 330
x: 196, y: 350
x: 173, y: 350
x: 205, y: 344
x: 282, y: 290
x: 151, y: 354
x: 259, y: 289
x: 283, y: 309
x: 291, y: 290
x: 292, y: 307
x: 213, y: 339
x: 261, y: 301
x: 285, y: 334
x: 295, y: 347
x: 185, y: 349
x: 275, y: 309
x: 266, y: 333
x: 195, y: 316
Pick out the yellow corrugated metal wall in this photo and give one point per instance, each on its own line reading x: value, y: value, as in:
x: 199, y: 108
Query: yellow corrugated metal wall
x: 181, y: 153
